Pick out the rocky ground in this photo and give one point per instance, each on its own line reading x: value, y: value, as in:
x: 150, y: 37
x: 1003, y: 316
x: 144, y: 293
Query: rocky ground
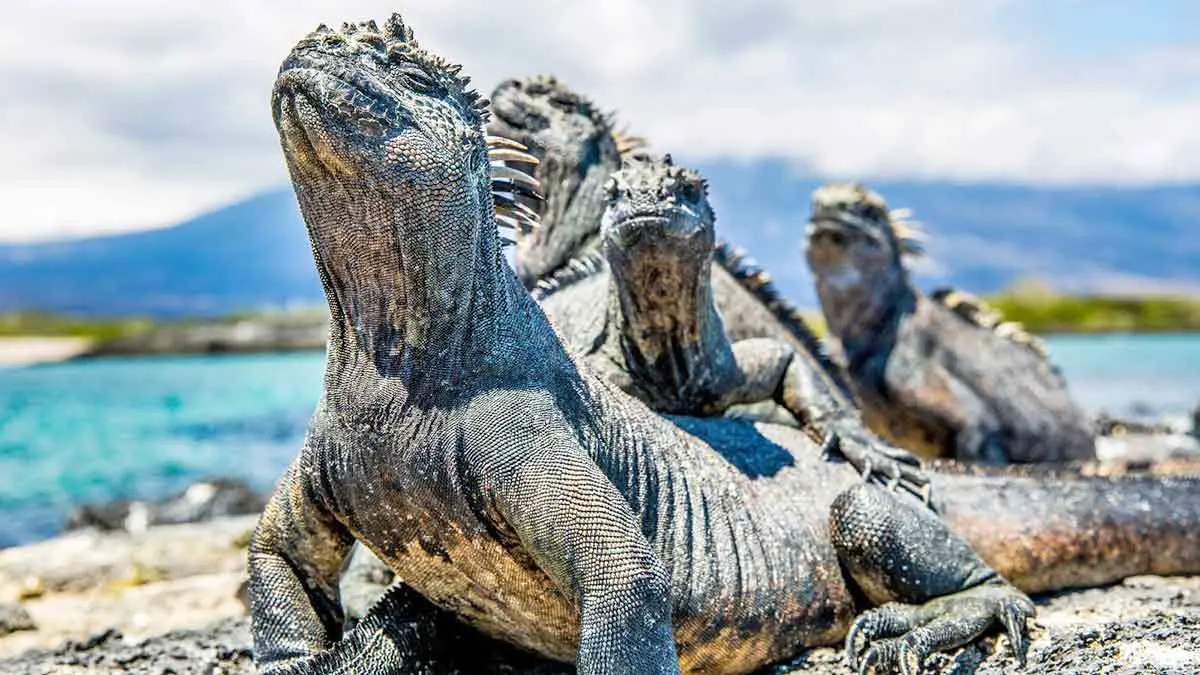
x: 165, y: 600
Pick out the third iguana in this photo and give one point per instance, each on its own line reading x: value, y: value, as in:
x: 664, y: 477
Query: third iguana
x: 931, y: 375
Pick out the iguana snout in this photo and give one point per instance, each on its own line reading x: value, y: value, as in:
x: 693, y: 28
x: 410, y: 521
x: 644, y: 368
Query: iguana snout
x: 652, y: 199
x: 848, y: 233
x: 357, y: 101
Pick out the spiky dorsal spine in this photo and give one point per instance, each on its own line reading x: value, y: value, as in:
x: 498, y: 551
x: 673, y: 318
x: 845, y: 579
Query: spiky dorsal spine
x: 909, y: 234
x: 755, y: 280
x: 578, y: 269
x: 974, y: 310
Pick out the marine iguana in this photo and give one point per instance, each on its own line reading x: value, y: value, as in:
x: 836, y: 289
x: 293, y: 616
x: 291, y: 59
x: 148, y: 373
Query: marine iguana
x: 928, y: 379
x: 653, y: 330
x: 640, y: 311
x: 509, y: 486
x: 579, y: 146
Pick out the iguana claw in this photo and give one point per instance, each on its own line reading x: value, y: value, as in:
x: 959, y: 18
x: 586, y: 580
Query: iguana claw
x: 877, y: 462
x: 897, y: 637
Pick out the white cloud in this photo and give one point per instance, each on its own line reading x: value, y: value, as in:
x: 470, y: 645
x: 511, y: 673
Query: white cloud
x: 128, y: 114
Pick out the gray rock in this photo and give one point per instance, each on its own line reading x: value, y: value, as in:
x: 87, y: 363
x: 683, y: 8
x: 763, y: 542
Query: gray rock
x: 200, y: 502
x: 13, y: 618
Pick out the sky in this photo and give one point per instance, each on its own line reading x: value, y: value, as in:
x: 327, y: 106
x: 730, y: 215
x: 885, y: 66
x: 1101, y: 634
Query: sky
x: 120, y: 115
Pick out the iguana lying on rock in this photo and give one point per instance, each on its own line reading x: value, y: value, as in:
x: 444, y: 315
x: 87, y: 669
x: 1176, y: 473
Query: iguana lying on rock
x: 640, y: 311
x: 506, y: 485
x: 579, y: 148
x: 929, y: 376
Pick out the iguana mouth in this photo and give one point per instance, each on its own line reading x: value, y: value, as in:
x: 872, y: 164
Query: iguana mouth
x: 681, y: 225
x: 837, y: 229
x: 327, y: 95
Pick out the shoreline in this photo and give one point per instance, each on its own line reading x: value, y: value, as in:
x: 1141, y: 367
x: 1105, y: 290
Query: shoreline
x: 34, y: 349
x: 37, y: 349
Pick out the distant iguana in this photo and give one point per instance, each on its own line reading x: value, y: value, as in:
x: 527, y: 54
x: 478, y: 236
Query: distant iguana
x: 640, y: 311
x: 508, y: 486
x: 941, y: 377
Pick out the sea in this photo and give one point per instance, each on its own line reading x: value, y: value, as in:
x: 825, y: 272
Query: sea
x: 147, y: 427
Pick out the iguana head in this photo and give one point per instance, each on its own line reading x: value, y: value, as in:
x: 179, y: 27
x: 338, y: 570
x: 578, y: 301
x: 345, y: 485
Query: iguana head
x: 854, y: 247
x: 658, y: 233
x: 577, y: 149
x: 386, y: 149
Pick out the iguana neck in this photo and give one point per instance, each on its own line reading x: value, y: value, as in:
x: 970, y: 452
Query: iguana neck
x: 407, y: 278
x: 663, y: 327
x: 862, y: 309
x: 570, y: 217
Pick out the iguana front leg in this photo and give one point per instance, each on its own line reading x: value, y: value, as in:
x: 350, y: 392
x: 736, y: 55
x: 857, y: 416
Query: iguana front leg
x: 934, y: 590
x: 295, y: 556
x: 582, y: 533
x: 768, y: 369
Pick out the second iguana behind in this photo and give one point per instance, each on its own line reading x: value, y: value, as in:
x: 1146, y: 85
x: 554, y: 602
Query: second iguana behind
x: 640, y: 310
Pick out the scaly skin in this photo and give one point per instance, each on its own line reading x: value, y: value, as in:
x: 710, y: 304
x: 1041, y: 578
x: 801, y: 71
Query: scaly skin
x: 511, y: 488
x: 927, y: 379
x: 642, y: 315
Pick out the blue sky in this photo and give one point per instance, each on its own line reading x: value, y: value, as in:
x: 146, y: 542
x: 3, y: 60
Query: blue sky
x: 127, y: 114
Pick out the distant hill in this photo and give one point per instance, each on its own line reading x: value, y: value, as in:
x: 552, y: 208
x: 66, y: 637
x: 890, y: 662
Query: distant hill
x: 984, y: 237
x: 250, y: 255
x: 254, y: 254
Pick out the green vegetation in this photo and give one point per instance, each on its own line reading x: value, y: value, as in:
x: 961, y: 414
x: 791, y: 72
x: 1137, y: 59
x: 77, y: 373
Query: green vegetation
x: 55, y: 325
x: 1043, y: 311
x: 1040, y: 309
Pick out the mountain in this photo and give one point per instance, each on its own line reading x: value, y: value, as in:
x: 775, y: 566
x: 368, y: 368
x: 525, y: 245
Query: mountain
x: 249, y: 255
x: 983, y: 237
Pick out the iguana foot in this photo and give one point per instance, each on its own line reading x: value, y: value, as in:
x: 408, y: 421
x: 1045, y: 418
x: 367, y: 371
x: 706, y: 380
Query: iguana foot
x: 898, y: 637
x: 880, y: 463
x: 395, y: 637
x: 404, y: 634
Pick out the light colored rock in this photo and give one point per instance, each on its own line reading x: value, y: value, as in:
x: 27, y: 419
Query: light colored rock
x: 164, y: 578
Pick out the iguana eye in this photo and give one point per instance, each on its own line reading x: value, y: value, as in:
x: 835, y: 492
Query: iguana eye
x: 611, y: 191
x: 419, y: 81
x: 370, y: 126
x: 565, y: 102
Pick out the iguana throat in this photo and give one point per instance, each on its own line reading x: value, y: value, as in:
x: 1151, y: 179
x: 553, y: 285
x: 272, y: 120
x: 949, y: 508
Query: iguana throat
x: 658, y: 234
x: 404, y: 265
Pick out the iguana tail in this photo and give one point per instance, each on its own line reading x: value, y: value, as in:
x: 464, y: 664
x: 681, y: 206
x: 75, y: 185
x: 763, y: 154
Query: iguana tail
x: 1049, y: 529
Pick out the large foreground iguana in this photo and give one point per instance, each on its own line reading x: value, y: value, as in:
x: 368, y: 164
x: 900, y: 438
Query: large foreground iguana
x: 930, y: 376
x: 509, y: 487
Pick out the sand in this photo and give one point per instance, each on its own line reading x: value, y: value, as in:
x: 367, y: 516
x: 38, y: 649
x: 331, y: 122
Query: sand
x: 25, y: 351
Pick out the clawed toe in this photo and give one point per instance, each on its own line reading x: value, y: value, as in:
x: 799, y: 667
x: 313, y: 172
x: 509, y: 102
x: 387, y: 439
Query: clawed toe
x: 897, y: 638
x: 874, y: 626
x: 892, y: 656
x: 891, y: 468
x: 1014, y: 616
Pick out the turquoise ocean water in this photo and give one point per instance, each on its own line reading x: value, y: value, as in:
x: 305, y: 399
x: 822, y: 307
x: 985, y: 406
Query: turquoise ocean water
x: 145, y: 427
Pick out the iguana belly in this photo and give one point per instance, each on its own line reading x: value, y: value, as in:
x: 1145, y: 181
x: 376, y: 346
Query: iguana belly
x: 748, y: 590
